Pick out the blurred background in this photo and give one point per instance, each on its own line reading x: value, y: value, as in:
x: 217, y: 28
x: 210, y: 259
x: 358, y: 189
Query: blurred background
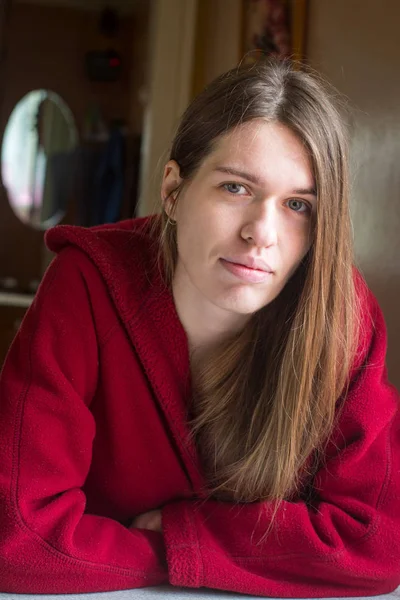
x: 91, y: 93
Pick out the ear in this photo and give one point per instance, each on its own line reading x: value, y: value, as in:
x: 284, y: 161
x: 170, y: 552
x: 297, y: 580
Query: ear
x: 170, y: 181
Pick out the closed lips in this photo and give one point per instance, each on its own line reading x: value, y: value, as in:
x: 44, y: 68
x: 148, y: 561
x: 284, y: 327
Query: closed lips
x: 254, y: 264
x: 249, y: 274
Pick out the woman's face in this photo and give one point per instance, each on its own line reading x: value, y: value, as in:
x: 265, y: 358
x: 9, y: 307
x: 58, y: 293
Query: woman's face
x: 244, y: 220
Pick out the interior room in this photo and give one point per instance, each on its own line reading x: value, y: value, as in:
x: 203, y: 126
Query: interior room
x: 149, y: 376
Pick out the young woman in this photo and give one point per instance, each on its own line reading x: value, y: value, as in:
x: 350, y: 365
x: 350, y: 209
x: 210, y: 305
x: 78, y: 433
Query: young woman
x: 201, y: 397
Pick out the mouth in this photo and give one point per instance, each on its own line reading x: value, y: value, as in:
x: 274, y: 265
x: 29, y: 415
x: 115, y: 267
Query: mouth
x: 245, y: 272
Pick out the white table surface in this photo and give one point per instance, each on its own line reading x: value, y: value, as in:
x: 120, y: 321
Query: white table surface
x: 163, y: 591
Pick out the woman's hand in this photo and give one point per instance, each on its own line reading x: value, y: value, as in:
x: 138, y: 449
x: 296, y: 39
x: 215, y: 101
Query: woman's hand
x: 149, y: 520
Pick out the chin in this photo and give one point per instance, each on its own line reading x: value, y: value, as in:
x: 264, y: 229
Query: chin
x: 241, y: 304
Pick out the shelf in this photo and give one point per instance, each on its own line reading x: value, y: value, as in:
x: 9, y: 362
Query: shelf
x: 13, y: 299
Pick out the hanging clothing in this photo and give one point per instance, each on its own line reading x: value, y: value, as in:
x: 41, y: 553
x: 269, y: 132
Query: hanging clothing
x: 109, y: 181
x: 94, y: 431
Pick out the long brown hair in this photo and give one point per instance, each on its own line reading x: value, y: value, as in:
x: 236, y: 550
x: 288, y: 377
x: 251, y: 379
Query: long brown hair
x: 265, y: 402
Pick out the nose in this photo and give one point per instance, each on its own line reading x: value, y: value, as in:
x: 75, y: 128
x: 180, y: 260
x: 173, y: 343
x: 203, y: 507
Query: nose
x: 261, y: 225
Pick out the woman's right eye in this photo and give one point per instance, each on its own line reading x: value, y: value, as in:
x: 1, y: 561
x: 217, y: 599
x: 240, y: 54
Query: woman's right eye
x: 233, y: 188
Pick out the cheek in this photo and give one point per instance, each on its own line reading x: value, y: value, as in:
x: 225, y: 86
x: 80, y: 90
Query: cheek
x: 296, y: 246
x: 192, y: 237
x: 301, y: 234
x: 203, y: 226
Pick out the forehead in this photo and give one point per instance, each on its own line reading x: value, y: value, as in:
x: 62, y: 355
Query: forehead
x: 263, y: 148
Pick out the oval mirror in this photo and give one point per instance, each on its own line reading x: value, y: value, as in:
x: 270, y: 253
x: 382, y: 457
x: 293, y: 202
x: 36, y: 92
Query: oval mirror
x: 37, y: 158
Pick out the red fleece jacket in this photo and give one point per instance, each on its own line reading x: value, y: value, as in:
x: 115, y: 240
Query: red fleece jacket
x: 93, y: 431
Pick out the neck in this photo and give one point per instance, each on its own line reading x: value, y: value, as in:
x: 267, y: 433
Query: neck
x: 206, y: 325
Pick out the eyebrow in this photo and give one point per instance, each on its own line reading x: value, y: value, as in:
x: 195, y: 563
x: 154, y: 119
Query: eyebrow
x: 257, y: 181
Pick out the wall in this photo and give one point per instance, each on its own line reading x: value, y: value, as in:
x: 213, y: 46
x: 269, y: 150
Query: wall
x: 46, y: 47
x: 355, y: 44
x: 218, y: 39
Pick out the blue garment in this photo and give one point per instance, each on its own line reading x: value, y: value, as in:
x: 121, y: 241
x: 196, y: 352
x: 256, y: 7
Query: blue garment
x: 109, y: 181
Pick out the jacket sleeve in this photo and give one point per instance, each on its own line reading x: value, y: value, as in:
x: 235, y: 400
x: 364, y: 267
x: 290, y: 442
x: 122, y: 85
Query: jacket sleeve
x: 347, y: 543
x: 48, y: 544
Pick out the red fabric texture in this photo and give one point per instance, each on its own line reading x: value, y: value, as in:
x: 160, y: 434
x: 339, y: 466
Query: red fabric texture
x: 93, y: 431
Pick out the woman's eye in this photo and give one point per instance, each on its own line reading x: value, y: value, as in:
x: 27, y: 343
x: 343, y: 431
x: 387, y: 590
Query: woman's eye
x: 298, y: 205
x: 234, y: 188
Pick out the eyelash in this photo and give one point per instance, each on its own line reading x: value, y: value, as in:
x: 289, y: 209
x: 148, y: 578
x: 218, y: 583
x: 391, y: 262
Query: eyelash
x: 305, y: 204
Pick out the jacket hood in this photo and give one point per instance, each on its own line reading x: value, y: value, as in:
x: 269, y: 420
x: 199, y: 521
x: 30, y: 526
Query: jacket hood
x: 102, y: 237
x: 125, y: 254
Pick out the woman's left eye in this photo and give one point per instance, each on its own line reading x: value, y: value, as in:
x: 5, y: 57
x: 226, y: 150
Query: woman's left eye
x: 298, y: 205
x: 233, y: 188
